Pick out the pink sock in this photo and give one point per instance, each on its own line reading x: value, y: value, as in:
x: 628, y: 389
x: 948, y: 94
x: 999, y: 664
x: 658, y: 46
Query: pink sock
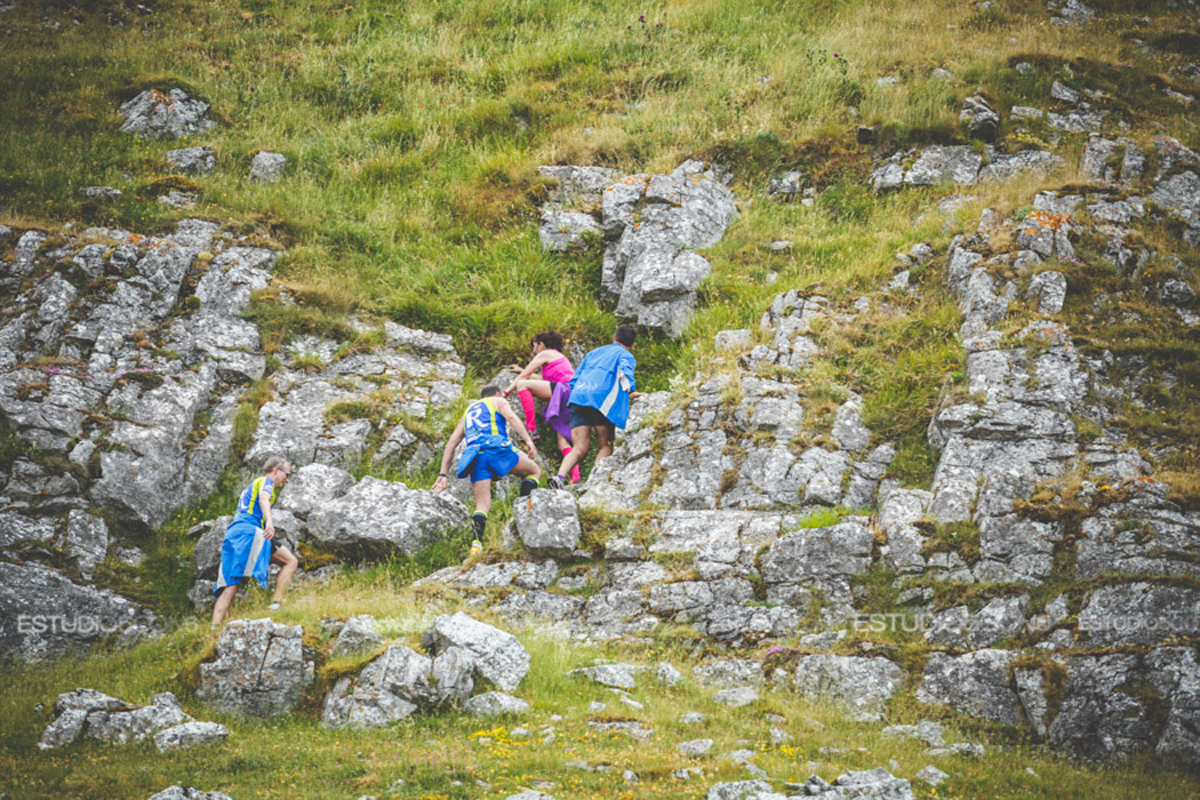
x: 526, y: 398
x: 574, y: 469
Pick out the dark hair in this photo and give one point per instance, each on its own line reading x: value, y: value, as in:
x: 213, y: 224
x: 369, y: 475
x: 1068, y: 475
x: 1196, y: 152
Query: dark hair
x: 552, y: 339
x: 490, y: 390
x: 626, y: 335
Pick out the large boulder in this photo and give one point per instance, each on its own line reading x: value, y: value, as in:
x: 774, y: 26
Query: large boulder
x: 90, y: 713
x: 44, y: 614
x: 976, y: 683
x: 155, y: 114
x: 860, y: 684
x: 190, y: 734
x: 380, y: 519
x: 1139, y: 613
x: 653, y: 224
x: 312, y: 487
x: 188, y: 793
x: 261, y: 669
x: 498, y: 656
x: 548, y: 523
x: 398, y: 683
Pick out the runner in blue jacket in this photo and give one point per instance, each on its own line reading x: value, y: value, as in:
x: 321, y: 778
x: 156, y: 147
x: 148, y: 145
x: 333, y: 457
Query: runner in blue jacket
x: 600, y: 393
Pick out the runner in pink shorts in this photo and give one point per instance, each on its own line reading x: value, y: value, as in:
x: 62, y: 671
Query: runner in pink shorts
x: 554, y: 387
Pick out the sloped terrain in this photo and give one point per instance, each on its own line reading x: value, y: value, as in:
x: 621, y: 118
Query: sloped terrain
x: 909, y: 507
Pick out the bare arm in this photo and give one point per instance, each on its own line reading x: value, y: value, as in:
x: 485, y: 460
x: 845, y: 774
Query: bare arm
x: 264, y: 502
x: 440, y: 484
x: 514, y: 425
x: 538, y: 361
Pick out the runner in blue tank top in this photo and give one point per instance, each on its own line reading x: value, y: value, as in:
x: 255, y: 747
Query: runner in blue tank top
x: 249, y: 547
x: 488, y: 454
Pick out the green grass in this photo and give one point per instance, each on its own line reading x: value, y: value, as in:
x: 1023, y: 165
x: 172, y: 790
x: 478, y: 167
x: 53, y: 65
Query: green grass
x: 412, y: 135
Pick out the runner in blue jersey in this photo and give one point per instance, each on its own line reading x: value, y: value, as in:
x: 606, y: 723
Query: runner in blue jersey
x: 488, y: 454
x: 601, y: 389
x: 248, y: 549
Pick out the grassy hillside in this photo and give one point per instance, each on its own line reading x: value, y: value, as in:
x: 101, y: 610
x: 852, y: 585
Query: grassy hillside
x: 412, y: 133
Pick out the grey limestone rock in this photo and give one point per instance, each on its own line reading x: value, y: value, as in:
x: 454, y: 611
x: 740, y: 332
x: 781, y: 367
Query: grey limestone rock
x: 928, y: 732
x: 1180, y: 193
x: 193, y: 160
x: 695, y: 748
x: 932, y: 775
x: 1049, y: 289
x: 862, y: 684
x: 848, y: 429
x: 498, y: 656
x: 1100, y: 159
x: 735, y: 698
x: 562, y: 231
x: 997, y: 620
x: 976, y: 683
x: 189, y: 734
x: 101, y: 193
x: 260, y: 669
x: 1095, y: 721
x: 650, y: 266
x: 378, y: 518
x: 155, y: 114
x: 188, y: 793
x: 494, y: 704
x: 1070, y: 13
x: 358, y: 635
x: 738, y: 790
x: 396, y: 684
x: 667, y: 674
x: 981, y: 120
x: 267, y: 167
x: 312, y: 487
x: 616, y: 675
x: 548, y: 523
x: 1139, y: 613
x: 787, y: 185
x: 60, y: 617
x: 122, y: 726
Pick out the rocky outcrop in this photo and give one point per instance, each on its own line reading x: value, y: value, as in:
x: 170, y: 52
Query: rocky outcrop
x: 260, y: 669
x: 961, y: 165
x: 322, y: 417
x: 188, y: 793
x: 378, y: 519
x: 190, y: 734
x: 547, y: 523
x: 401, y: 681
x: 267, y: 167
x: 398, y: 683
x: 730, y: 447
x: 174, y: 114
x: 43, y: 614
x: 497, y: 654
x: 651, y: 226
x: 861, y: 685
x: 86, y: 712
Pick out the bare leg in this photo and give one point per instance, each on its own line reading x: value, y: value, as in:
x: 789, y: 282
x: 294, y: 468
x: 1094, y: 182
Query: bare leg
x: 564, y: 447
x: 538, y: 388
x: 527, y: 468
x: 581, y: 437
x: 222, y: 606
x: 483, y: 495
x: 604, y: 442
x: 288, y: 561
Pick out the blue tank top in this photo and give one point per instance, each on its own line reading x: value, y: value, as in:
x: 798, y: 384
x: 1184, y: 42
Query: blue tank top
x: 482, y: 420
x: 248, y: 508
